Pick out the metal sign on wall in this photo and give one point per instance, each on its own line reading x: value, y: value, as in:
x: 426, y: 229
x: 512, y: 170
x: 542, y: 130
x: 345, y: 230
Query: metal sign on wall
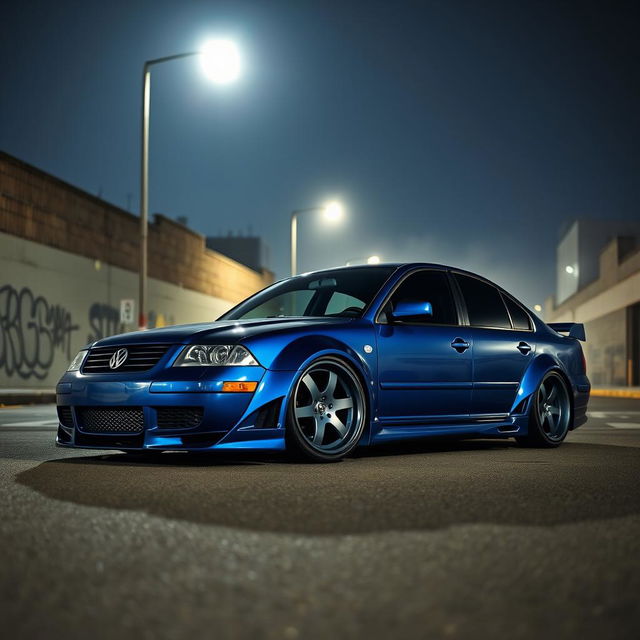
x: 127, y: 310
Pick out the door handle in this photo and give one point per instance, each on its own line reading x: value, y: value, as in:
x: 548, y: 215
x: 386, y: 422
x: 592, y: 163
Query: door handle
x: 524, y: 348
x: 460, y: 345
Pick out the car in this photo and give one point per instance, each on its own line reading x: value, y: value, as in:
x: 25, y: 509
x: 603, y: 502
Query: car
x: 321, y: 363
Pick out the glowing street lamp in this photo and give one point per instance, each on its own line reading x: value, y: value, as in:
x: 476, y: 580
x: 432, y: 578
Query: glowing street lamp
x: 221, y: 63
x: 369, y: 260
x: 332, y: 212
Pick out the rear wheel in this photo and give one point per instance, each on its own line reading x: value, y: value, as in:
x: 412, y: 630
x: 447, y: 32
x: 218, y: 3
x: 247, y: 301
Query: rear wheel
x: 549, y: 414
x: 327, y: 410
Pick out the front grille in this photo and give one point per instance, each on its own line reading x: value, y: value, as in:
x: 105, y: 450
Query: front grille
x: 110, y: 420
x: 179, y: 417
x: 65, y: 417
x: 140, y: 357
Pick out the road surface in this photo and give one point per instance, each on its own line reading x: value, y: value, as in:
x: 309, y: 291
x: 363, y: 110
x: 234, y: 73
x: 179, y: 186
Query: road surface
x: 439, y: 539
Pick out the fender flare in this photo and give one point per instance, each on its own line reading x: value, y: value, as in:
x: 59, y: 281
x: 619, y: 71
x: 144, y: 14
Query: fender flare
x: 534, y: 374
x: 300, y: 353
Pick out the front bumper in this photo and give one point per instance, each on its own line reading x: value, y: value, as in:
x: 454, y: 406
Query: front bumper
x: 225, y: 420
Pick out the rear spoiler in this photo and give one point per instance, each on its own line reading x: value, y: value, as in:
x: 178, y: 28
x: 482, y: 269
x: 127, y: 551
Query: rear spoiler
x: 573, y: 329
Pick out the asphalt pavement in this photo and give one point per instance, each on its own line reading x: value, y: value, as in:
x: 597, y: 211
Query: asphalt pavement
x: 428, y: 539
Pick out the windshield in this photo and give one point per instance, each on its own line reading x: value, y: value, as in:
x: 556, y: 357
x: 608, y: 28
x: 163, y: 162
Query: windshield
x: 339, y: 293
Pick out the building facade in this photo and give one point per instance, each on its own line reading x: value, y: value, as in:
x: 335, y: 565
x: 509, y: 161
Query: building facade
x: 68, y: 260
x: 598, y: 284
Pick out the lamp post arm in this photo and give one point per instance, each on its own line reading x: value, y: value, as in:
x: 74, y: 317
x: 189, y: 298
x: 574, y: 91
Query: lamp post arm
x: 177, y: 56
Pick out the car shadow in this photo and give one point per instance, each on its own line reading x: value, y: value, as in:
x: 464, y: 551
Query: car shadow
x: 423, y: 485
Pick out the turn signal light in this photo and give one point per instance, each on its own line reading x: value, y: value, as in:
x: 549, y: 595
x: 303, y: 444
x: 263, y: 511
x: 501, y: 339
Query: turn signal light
x: 239, y: 387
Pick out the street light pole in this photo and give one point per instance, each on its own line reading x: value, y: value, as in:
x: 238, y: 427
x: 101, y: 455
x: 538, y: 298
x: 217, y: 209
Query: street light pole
x: 221, y: 63
x: 294, y: 236
x: 332, y: 211
x: 144, y: 181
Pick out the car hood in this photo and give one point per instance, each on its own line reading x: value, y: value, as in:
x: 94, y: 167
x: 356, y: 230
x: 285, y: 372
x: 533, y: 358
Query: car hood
x: 223, y: 331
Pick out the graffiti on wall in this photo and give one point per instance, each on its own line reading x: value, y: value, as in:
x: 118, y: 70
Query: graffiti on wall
x: 31, y: 330
x: 104, y: 320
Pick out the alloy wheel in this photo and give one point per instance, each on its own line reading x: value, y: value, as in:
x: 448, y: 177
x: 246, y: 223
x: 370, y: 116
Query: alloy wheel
x: 328, y: 408
x: 553, y: 407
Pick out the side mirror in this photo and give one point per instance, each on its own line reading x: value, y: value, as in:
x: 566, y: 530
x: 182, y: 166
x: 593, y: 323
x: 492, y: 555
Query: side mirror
x: 412, y: 310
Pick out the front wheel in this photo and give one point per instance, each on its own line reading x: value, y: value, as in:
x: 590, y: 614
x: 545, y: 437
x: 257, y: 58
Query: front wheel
x: 549, y: 415
x: 327, y: 411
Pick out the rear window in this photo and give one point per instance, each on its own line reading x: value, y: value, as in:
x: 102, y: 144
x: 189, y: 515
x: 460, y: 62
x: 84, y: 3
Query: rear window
x: 519, y: 317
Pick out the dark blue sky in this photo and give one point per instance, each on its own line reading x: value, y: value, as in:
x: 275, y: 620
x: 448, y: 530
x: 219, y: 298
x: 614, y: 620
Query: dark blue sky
x: 459, y: 132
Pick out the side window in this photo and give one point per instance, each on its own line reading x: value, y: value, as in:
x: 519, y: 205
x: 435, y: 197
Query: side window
x: 519, y: 317
x: 341, y: 302
x: 427, y: 286
x: 484, y: 303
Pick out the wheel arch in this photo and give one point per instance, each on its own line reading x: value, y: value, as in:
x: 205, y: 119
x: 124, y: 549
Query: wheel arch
x: 537, y: 370
x: 299, y: 354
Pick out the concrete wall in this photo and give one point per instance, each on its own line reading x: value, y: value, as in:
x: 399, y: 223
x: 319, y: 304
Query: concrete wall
x: 53, y: 302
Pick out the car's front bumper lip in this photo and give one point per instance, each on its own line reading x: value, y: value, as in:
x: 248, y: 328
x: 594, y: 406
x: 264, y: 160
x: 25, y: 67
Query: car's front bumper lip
x: 230, y: 420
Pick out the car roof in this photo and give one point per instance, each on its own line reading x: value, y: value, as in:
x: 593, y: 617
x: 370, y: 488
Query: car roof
x: 405, y: 265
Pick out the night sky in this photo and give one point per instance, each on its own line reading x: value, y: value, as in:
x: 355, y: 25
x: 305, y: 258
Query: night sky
x: 469, y: 133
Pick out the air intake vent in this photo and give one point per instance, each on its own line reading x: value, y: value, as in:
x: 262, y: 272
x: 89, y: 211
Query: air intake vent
x: 179, y: 417
x: 110, y: 420
x: 134, y: 357
x: 65, y: 417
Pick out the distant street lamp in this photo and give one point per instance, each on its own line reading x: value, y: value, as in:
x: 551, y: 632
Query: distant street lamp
x: 221, y: 63
x: 369, y: 260
x: 332, y: 211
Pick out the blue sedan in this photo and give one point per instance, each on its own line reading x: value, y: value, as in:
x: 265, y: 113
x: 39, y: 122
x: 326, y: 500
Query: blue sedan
x: 320, y: 363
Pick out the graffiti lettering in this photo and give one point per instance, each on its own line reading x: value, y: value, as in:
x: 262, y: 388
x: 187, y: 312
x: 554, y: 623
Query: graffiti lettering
x: 30, y: 331
x: 104, y: 320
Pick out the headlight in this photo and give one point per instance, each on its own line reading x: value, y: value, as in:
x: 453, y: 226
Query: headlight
x: 215, y: 355
x: 76, y: 363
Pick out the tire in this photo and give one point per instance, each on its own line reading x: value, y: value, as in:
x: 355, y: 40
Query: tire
x: 326, y: 412
x: 549, y: 414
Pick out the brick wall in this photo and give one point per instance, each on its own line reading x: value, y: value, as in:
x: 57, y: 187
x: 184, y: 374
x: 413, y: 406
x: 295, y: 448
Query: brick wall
x: 38, y: 207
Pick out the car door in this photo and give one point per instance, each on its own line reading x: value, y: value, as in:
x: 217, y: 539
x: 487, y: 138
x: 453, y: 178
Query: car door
x: 503, y: 345
x: 424, y: 363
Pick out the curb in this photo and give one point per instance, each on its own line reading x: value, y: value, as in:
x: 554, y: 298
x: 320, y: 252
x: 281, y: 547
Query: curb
x: 616, y: 393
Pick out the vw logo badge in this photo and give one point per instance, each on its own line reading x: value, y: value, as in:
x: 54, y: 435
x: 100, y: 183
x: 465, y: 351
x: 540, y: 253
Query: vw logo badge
x: 118, y: 358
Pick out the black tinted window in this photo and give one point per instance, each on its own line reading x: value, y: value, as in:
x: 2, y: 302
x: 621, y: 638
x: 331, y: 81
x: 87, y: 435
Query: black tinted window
x: 484, y: 303
x: 519, y: 316
x: 428, y: 286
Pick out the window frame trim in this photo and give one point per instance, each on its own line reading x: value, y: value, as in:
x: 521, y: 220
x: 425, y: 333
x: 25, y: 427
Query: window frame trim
x: 460, y: 316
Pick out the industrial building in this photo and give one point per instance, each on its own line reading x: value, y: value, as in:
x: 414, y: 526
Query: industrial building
x: 598, y: 284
